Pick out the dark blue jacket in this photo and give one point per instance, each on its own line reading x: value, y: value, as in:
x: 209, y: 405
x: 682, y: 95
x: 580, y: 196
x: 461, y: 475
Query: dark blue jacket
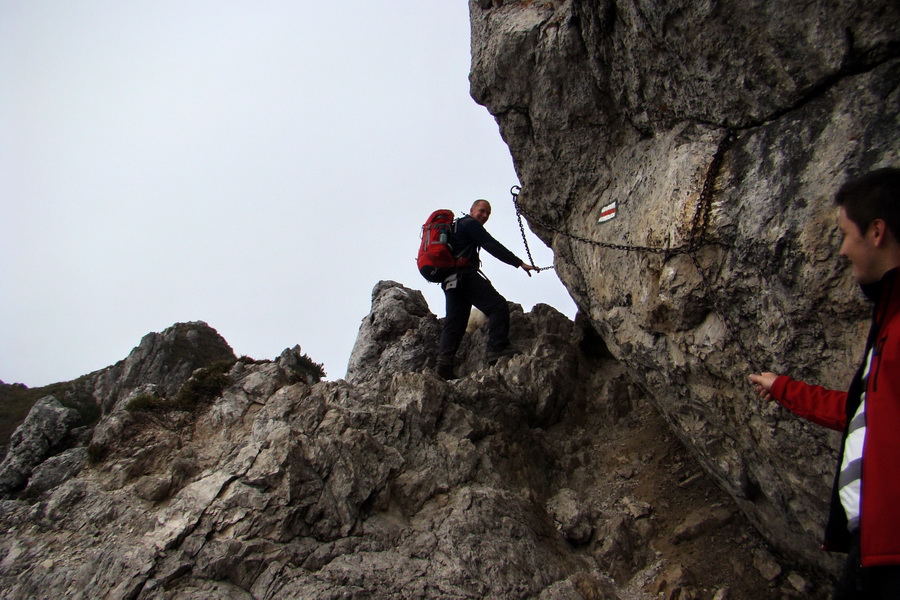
x: 470, y: 235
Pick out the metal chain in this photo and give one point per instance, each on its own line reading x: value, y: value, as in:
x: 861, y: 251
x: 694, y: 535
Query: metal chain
x: 704, y: 202
x: 514, y: 190
x: 699, y: 226
x: 610, y: 245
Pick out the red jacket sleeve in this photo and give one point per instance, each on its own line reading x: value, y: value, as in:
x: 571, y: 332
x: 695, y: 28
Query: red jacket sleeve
x: 812, y: 402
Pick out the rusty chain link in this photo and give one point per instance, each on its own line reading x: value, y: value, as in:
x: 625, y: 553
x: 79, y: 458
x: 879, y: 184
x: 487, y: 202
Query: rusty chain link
x: 699, y: 226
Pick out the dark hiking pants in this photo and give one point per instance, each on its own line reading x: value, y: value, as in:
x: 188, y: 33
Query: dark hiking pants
x: 473, y: 289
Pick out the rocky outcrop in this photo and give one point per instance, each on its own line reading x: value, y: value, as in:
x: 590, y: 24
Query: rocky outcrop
x: 46, y: 426
x: 50, y: 446
x: 719, y: 131
x: 160, y: 364
x: 398, y: 314
x: 546, y: 476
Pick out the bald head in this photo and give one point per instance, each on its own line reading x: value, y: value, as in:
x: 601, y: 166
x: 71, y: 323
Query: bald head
x: 480, y: 211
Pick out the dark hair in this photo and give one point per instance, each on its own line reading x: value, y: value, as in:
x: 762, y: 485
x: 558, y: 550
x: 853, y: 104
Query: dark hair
x: 875, y: 195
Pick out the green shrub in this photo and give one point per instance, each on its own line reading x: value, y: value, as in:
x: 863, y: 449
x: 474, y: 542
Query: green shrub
x: 307, y: 367
x: 203, y: 386
x: 147, y: 403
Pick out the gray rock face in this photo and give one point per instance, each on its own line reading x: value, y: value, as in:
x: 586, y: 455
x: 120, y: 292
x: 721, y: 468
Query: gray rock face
x: 159, y: 366
x: 45, y: 427
x: 398, y: 314
x: 721, y: 131
x: 546, y: 476
x: 164, y: 360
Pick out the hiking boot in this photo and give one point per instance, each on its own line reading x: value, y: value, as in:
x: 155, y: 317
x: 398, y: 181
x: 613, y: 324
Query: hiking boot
x: 495, y: 355
x: 445, y: 370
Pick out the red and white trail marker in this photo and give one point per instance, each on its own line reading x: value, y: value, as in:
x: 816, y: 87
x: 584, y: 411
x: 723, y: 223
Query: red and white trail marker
x: 607, y: 213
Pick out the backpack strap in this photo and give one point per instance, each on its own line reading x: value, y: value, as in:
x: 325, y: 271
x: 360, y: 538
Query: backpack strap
x: 465, y: 250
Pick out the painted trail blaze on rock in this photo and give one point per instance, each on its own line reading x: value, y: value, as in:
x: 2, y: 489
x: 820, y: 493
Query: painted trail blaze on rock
x: 608, y: 212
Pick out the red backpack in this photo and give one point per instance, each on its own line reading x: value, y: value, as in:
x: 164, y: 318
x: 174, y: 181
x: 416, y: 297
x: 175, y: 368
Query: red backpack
x: 436, y: 261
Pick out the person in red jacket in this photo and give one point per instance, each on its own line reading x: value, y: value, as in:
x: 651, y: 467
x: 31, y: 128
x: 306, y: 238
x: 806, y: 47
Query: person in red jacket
x: 865, y: 506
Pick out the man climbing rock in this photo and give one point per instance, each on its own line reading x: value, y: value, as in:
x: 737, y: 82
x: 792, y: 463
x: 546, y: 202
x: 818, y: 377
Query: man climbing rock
x: 468, y: 287
x: 864, y: 520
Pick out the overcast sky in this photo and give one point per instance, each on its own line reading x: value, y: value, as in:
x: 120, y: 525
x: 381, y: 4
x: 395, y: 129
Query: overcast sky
x: 256, y: 165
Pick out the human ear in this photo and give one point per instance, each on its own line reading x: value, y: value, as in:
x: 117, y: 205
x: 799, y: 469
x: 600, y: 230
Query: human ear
x: 878, y: 228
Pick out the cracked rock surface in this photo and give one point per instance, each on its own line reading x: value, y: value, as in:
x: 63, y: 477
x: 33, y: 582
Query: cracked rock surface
x: 720, y: 131
x: 546, y: 476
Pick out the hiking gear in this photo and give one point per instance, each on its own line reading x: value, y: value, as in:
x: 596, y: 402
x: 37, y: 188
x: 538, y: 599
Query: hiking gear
x: 436, y: 260
x: 469, y: 236
x: 473, y: 289
x: 445, y: 368
x: 450, y: 282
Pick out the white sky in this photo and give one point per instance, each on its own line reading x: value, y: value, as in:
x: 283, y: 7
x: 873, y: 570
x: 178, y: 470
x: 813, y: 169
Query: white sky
x: 256, y: 165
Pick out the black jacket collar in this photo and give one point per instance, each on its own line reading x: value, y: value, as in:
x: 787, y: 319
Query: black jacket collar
x: 873, y: 290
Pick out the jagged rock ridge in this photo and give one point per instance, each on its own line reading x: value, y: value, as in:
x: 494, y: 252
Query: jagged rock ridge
x: 160, y: 364
x: 721, y: 131
x: 546, y: 476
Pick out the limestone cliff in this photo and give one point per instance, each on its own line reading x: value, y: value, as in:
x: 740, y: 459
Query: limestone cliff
x: 546, y: 476
x: 717, y: 133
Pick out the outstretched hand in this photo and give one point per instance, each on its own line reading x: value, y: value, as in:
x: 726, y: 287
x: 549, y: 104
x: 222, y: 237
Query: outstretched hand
x: 528, y: 268
x: 763, y: 384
